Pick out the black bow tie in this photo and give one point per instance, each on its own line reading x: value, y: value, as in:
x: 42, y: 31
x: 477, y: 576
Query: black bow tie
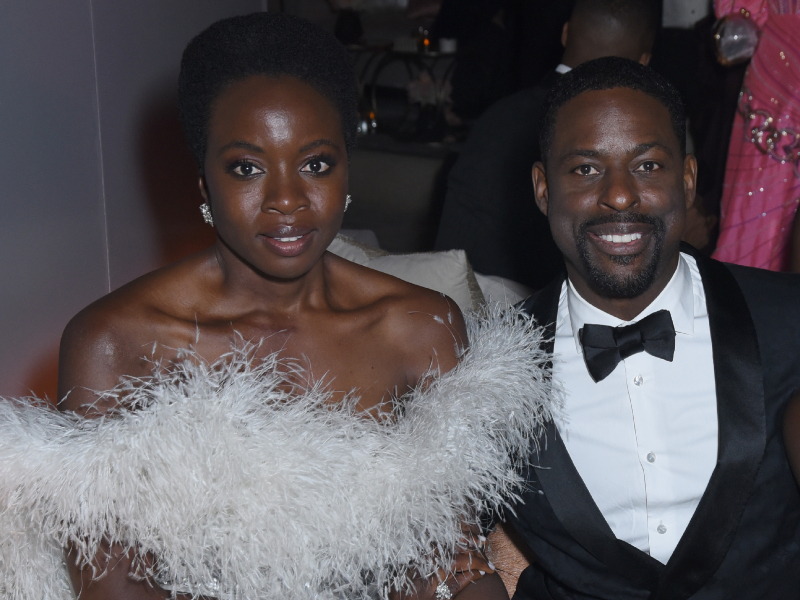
x: 604, y: 346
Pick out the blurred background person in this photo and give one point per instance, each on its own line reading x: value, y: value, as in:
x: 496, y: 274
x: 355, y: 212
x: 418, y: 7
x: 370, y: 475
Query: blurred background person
x: 762, y: 179
x: 489, y: 207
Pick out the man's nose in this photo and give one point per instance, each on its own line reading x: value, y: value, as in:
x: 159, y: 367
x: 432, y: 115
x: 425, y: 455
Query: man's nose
x: 619, y: 191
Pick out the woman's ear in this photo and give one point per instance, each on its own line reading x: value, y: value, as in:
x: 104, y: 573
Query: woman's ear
x: 201, y: 183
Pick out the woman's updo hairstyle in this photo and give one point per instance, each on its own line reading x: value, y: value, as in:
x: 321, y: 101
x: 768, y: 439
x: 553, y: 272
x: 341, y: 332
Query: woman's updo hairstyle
x: 270, y: 44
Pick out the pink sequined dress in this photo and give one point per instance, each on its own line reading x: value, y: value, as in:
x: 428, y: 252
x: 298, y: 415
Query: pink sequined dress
x: 762, y: 177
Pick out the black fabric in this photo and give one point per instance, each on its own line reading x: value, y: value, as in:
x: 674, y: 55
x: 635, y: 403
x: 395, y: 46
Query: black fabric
x: 743, y: 541
x: 604, y: 347
x: 490, y: 208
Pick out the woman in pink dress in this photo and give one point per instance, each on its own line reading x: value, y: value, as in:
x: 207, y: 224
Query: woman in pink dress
x: 762, y: 179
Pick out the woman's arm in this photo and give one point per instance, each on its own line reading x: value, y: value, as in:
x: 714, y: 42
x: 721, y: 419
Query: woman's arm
x: 92, y: 357
x: 115, y: 583
x: 435, y: 337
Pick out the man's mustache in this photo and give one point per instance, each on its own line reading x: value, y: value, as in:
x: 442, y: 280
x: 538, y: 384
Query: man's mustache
x: 625, y: 217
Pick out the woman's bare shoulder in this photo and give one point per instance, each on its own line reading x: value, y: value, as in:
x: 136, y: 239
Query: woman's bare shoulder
x: 425, y: 326
x: 114, y: 335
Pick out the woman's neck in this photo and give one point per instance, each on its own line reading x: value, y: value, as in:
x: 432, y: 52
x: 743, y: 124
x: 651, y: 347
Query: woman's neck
x: 254, y: 290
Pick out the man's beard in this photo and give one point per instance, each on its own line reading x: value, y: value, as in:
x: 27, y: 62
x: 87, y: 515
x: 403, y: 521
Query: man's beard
x: 626, y: 286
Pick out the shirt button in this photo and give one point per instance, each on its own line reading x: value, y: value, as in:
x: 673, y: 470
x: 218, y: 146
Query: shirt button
x: 661, y: 528
x: 651, y: 458
x: 638, y: 380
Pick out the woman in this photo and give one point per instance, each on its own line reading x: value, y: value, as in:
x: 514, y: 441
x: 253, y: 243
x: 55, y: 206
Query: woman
x: 238, y: 461
x: 762, y: 177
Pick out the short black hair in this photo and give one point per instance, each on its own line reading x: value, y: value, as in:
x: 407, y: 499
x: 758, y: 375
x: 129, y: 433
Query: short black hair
x: 608, y: 73
x: 270, y: 44
x: 639, y: 17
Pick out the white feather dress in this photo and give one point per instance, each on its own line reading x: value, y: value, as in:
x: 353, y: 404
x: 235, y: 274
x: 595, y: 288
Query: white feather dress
x: 242, y: 491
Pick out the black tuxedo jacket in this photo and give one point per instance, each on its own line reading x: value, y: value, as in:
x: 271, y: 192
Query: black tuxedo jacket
x: 743, y: 541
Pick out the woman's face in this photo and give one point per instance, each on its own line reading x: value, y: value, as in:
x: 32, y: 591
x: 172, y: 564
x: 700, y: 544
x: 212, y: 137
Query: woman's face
x: 275, y: 173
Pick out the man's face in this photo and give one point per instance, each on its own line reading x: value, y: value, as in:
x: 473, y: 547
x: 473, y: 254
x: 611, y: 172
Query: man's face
x: 615, y: 191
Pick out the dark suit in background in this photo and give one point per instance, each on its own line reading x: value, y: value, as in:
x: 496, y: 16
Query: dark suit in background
x: 743, y: 541
x: 490, y: 209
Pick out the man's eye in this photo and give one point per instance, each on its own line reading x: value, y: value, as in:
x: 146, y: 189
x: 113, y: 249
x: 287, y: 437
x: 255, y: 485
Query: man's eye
x: 245, y: 169
x: 315, y: 165
x: 648, y: 167
x: 586, y: 170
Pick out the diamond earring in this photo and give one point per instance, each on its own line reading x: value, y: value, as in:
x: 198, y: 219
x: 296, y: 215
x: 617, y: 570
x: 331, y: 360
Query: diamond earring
x: 347, y: 202
x: 205, y: 209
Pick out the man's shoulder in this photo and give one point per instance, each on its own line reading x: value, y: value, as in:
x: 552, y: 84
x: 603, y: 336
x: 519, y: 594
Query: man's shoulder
x: 772, y: 285
x: 773, y: 304
x: 772, y: 298
x: 770, y: 294
x: 761, y: 288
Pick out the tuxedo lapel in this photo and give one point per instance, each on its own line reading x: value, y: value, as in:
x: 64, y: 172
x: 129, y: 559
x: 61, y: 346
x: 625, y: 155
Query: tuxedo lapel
x: 742, y: 436
x: 564, y: 488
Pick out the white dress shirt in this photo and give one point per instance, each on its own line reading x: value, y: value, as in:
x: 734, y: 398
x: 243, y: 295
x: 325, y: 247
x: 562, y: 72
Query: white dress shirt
x: 644, y: 439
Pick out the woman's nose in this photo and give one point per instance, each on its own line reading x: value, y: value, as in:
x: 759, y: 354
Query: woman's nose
x: 283, y: 194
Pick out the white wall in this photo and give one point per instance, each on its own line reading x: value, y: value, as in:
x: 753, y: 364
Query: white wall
x: 96, y: 186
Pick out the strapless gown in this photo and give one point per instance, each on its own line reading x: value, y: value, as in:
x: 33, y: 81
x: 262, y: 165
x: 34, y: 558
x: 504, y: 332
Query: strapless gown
x: 242, y: 491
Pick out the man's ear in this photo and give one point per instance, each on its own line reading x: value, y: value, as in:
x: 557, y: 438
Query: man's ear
x: 644, y: 59
x: 540, y: 189
x: 689, y: 179
x: 565, y: 34
x: 201, y: 183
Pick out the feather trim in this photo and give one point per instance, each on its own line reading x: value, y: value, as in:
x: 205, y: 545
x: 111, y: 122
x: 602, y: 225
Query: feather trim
x: 243, y: 491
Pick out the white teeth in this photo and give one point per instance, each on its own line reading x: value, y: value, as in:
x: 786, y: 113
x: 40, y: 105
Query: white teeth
x: 289, y: 239
x: 621, y: 239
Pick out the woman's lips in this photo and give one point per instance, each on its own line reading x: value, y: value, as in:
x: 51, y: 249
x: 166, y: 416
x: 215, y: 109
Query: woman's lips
x: 288, y: 241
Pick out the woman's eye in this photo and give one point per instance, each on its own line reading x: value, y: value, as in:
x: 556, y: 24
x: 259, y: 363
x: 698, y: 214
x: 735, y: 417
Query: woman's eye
x: 245, y: 169
x: 586, y: 170
x: 648, y: 167
x: 316, y: 165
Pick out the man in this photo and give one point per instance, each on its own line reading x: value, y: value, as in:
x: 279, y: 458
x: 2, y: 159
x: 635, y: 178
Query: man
x: 489, y: 208
x: 667, y: 477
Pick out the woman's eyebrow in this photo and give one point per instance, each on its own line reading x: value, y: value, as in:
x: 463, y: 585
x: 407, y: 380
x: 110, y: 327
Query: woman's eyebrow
x: 317, y: 144
x: 240, y: 144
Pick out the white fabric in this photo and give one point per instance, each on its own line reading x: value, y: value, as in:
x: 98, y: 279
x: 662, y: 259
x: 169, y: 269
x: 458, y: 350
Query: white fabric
x: 445, y: 272
x: 613, y: 426
x: 684, y: 13
x: 504, y: 291
x: 243, y: 490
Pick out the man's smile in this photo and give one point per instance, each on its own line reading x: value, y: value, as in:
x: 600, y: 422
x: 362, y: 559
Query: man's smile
x: 620, y: 238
